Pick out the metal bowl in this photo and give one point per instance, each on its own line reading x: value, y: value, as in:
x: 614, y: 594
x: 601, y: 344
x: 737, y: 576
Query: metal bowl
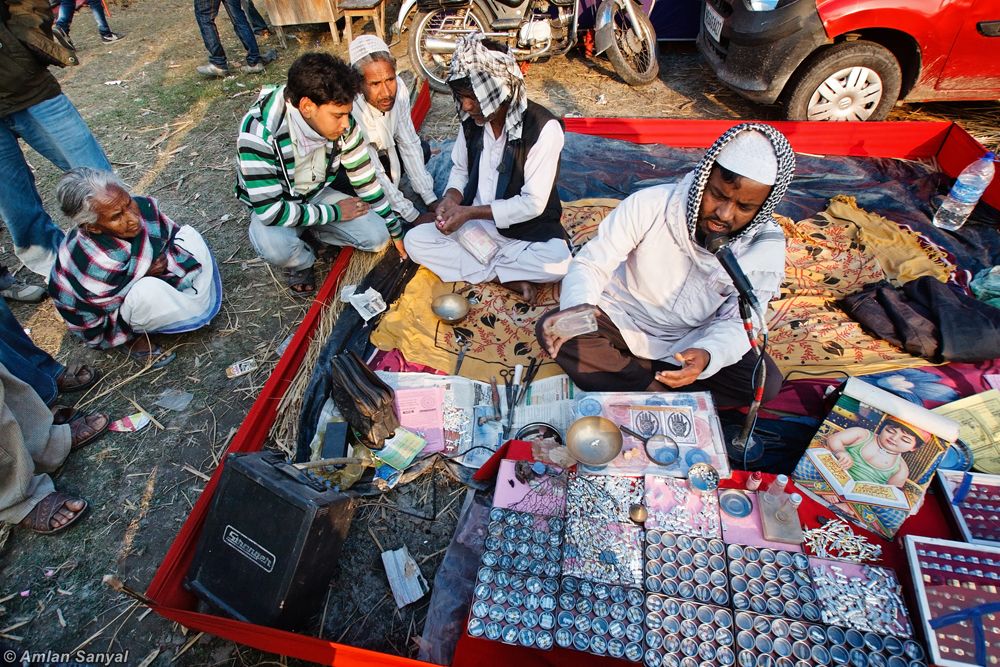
x: 451, y: 308
x: 593, y: 440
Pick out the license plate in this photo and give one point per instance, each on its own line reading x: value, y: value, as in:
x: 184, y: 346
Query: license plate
x: 713, y: 23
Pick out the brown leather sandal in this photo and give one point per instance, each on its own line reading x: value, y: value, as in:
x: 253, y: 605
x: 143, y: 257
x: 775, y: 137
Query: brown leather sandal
x: 77, y: 377
x: 39, y: 520
x: 88, y: 428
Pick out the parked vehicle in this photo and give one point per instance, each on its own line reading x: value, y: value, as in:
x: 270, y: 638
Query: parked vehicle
x: 532, y: 29
x: 853, y: 59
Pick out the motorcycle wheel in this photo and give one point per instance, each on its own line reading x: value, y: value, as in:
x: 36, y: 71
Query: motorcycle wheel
x: 634, y: 53
x: 441, y: 24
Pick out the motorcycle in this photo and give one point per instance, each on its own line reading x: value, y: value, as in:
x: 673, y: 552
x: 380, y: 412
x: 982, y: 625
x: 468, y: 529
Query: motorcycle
x: 532, y: 29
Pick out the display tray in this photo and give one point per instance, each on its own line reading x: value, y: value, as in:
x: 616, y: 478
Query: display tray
x: 974, y: 502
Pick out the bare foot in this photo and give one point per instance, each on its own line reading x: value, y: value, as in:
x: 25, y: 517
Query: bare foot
x: 527, y: 290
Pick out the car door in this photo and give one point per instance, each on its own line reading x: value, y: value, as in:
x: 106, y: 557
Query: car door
x: 974, y: 61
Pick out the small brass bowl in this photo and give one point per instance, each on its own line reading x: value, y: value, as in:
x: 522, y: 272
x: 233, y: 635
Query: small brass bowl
x: 451, y: 308
x: 593, y: 440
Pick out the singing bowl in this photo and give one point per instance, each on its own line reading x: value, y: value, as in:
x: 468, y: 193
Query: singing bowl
x: 593, y: 440
x: 451, y: 308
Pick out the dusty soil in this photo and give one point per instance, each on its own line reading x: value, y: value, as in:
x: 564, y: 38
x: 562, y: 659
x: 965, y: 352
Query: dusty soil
x: 171, y: 134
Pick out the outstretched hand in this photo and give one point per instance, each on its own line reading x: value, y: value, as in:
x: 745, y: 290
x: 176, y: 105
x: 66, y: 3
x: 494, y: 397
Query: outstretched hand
x: 693, y: 362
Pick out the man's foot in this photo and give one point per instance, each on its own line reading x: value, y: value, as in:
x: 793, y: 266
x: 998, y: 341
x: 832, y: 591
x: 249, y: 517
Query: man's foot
x: 252, y: 69
x: 142, y: 351
x: 213, y: 71
x: 263, y: 33
x: 86, y: 429
x: 301, y: 282
x: 111, y: 37
x: 55, y: 512
x: 527, y: 290
x: 77, y: 377
x: 269, y: 56
x: 23, y: 292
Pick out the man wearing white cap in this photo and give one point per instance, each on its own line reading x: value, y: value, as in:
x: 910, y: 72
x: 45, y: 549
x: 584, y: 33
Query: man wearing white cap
x: 667, y: 311
x: 382, y: 110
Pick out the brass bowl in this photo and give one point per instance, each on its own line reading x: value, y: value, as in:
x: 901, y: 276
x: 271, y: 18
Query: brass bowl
x: 594, y: 440
x: 451, y: 308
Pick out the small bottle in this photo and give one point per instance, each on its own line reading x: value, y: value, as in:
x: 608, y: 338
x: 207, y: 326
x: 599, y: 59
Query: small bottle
x: 965, y: 193
x: 754, y: 480
x: 777, y: 488
x: 789, y: 508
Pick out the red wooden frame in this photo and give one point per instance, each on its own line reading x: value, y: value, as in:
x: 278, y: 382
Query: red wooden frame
x: 952, y: 146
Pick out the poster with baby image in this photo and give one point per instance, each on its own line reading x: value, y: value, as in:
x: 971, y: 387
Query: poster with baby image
x: 873, y: 457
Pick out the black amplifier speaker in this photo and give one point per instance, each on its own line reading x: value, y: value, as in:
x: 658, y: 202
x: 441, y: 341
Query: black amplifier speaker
x: 270, y: 542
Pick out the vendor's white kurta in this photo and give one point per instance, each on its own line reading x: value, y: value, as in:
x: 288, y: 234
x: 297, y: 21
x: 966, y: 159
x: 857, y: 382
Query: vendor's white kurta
x: 661, y: 289
x: 537, y: 262
x: 154, y: 306
x: 394, y: 133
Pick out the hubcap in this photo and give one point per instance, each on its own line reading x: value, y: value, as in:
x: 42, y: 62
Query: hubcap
x: 852, y: 93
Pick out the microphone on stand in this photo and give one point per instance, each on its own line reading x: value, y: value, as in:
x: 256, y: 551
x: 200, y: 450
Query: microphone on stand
x: 716, y: 244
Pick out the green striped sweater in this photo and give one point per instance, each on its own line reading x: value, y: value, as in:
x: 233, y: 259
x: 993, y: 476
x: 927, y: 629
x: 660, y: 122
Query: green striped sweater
x: 265, y: 178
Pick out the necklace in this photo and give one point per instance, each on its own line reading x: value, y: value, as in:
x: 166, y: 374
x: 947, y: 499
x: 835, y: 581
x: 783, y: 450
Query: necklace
x: 885, y: 451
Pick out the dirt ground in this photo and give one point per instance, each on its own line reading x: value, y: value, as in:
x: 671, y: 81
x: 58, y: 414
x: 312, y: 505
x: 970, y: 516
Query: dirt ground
x: 171, y: 134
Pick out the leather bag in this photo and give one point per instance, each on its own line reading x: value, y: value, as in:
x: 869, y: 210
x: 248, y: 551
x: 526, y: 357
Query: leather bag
x: 366, y: 403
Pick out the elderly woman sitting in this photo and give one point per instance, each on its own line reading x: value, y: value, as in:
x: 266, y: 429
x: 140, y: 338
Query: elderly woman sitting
x: 127, y: 269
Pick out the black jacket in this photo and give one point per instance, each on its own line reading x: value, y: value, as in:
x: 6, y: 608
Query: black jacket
x: 24, y: 79
x: 546, y: 226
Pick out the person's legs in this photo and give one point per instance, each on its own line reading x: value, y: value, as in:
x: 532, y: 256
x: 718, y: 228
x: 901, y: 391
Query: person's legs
x: 280, y: 246
x: 257, y: 21
x: 100, y: 18
x: 443, y: 254
x: 205, y: 12
x: 367, y: 232
x: 58, y: 132
x: 36, y: 238
x: 65, y: 18
x: 241, y: 24
x: 733, y: 385
x: 538, y: 262
x: 25, y: 360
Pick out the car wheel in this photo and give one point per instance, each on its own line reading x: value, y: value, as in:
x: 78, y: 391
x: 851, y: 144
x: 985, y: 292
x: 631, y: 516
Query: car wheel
x: 848, y: 81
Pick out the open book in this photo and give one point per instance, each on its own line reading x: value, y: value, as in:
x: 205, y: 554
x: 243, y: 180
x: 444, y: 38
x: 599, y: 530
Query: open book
x: 851, y: 489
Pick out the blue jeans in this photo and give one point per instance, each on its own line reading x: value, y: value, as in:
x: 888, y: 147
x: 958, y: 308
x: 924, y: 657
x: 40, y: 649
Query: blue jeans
x: 25, y: 360
x: 205, y: 12
x: 55, y: 129
x: 257, y: 21
x: 68, y: 7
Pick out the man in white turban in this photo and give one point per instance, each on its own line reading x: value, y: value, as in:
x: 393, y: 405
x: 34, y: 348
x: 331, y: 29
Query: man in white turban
x: 382, y: 110
x: 667, y: 312
x: 499, y: 219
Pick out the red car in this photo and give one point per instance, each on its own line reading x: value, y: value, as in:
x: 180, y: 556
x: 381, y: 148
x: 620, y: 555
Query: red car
x: 853, y: 59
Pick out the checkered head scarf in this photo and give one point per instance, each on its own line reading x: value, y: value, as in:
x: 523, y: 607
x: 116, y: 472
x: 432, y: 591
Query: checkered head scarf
x: 495, y: 79
x: 746, y: 159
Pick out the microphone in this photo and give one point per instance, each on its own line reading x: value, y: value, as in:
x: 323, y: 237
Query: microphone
x: 715, y: 243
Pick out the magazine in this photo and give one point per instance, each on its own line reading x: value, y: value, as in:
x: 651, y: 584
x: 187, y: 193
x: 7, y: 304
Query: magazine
x: 873, y: 457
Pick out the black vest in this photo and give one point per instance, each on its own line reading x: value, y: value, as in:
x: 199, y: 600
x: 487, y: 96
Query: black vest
x: 546, y: 226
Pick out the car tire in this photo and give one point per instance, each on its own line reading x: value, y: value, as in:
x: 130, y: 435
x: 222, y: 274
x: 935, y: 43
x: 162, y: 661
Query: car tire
x: 848, y: 81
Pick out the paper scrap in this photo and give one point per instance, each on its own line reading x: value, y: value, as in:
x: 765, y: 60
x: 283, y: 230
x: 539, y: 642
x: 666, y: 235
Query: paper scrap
x: 131, y: 423
x: 241, y: 368
x: 405, y: 579
x: 401, y: 449
x: 174, y: 399
x: 368, y: 304
x: 422, y: 412
x: 993, y: 381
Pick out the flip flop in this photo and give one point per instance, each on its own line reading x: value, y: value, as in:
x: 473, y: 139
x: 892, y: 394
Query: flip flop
x: 144, y: 357
x: 77, y: 377
x: 39, y: 519
x: 301, y: 282
x: 84, y: 431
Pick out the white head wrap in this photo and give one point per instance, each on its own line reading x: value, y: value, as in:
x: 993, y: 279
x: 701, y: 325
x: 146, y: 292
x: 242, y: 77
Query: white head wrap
x: 496, y: 79
x: 366, y: 45
x: 750, y: 154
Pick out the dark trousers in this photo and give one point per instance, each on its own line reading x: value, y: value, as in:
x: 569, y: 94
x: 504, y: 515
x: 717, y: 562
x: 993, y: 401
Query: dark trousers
x: 205, y: 12
x: 601, y: 361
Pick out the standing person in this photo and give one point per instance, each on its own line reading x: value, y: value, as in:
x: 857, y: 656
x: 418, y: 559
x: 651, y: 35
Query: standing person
x: 32, y: 445
x: 68, y: 7
x: 300, y: 153
x: 666, y: 310
x: 33, y: 108
x: 257, y: 22
x: 499, y: 218
x: 205, y: 12
x: 383, y: 112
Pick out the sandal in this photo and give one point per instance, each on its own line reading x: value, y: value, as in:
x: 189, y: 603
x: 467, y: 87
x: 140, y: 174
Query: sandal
x: 77, y: 377
x: 86, y: 429
x: 63, y: 414
x: 301, y: 282
x: 39, y: 519
x: 155, y: 357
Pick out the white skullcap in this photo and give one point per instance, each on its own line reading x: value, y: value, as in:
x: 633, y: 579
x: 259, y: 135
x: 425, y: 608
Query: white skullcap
x: 748, y: 154
x: 365, y: 45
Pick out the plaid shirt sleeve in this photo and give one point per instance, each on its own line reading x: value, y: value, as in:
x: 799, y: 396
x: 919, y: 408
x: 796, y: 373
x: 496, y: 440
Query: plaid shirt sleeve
x: 355, y: 159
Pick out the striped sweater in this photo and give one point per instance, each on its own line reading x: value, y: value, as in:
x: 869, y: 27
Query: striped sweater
x: 265, y: 178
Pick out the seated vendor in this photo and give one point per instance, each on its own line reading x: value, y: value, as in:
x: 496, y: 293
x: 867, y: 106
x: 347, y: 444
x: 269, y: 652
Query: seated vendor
x: 126, y: 269
x: 499, y: 218
x: 666, y: 310
x: 305, y: 173
x: 382, y: 110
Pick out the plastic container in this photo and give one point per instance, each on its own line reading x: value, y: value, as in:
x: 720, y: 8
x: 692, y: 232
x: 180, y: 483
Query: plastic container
x: 965, y: 193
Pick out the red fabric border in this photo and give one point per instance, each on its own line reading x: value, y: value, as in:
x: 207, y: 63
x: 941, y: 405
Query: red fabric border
x: 954, y: 147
